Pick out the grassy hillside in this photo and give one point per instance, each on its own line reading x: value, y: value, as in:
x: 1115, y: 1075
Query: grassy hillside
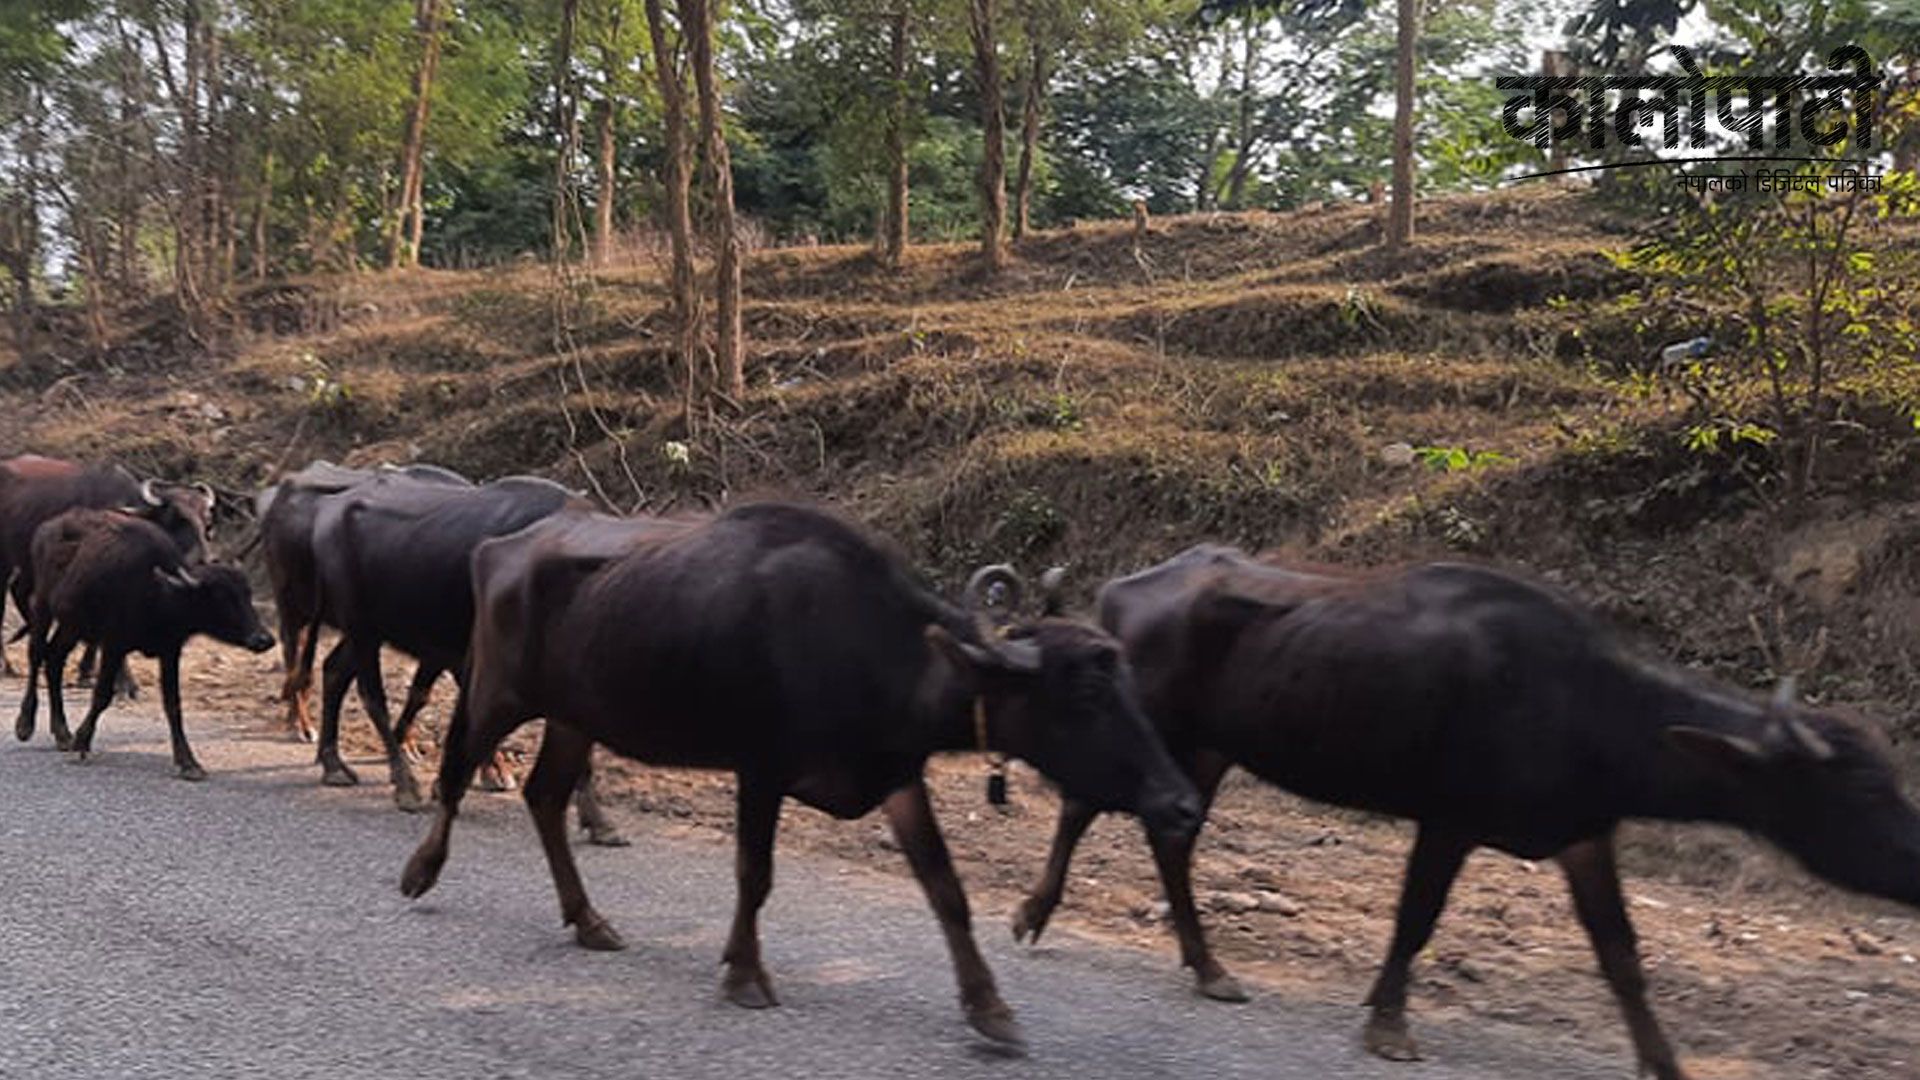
x: 1249, y: 378
x: 1238, y: 378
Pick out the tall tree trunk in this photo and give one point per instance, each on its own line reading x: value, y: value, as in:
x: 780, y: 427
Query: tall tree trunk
x: 696, y: 21
x: 1030, y: 112
x: 403, y: 230
x: 21, y: 244
x: 566, y: 116
x: 607, y: 117
x: 897, y: 200
x: 676, y: 175
x: 131, y: 277
x: 215, y: 153
x: 1400, y: 213
x: 981, y: 16
x: 1243, y: 120
x: 262, y: 210
x: 604, y: 198
x: 187, y: 212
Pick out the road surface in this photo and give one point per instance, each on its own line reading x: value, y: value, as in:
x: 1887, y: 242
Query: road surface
x: 251, y: 926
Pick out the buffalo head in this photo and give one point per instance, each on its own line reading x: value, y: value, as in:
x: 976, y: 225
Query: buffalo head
x: 1058, y: 694
x: 215, y: 601
x: 183, y: 511
x: 1823, y: 788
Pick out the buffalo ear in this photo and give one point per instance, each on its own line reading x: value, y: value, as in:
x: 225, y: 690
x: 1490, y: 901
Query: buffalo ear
x: 174, y: 579
x: 1004, y: 657
x: 1736, y: 750
x: 965, y: 658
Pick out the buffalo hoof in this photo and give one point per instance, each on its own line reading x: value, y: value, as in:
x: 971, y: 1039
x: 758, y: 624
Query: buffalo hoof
x: 594, y: 932
x: 338, y: 774
x: 996, y: 1022
x: 192, y: 771
x: 423, y: 869
x: 1387, y: 1037
x: 749, y: 988
x: 606, y: 836
x: 62, y: 741
x: 23, y: 727
x: 1221, y: 987
x: 407, y: 798
x: 495, y: 778
x: 1030, y: 920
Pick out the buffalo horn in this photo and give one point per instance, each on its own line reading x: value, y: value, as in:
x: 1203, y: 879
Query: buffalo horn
x: 1785, y: 693
x: 1811, y: 743
x: 1052, y: 602
x: 995, y: 587
x: 206, y: 490
x: 147, y: 494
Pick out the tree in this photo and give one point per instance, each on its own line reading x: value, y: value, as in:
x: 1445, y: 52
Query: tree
x: 894, y: 247
x: 675, y: 177
x: 1400, y: 213
x: 696, y: 22
x: 981, y: 16
x: 403, y: 246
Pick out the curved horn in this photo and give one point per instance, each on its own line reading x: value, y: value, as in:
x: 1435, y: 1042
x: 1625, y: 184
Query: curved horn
x: 1810, y: 742
x: 997, y: 586
x: 1785, y: 693
x: 146, y: 493
x: 1052, y: 602
x: 207, y: 490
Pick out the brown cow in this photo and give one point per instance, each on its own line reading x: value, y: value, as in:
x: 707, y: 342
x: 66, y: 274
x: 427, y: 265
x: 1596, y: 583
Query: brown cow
x: 118, y: 581
x: 1494, y: 713
x: 783, y: 645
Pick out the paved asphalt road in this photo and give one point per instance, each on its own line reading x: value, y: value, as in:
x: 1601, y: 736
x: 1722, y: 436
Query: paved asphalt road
x: 251, y: 926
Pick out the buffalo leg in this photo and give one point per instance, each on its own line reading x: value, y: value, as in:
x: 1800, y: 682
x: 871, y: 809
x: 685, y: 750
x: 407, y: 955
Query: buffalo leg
x: 102, y: 697
x: 53, y: 666
x: 1174, y: 857
x: 6, y: 662
x: 556, y: 772
x: 911, y: 816
x: 297, y: 641
x: 1594, y: 880
x: 176, y: 727
x: 373, y: 698
x: 756, y: 817
x: 419, y: 692
x: 89, y: 661
x: 1436, y: 860
x: 600, y: 829
x: 1030, y: 918
x: 468, y: 739
x: 336, y: 676
x: 30, y: 695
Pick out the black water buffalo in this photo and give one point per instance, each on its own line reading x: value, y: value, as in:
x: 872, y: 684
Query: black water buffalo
x: 1493, y: 713
x: 286, y: 514
x: 781, y: 644
x: 393, y: 559
x: 33, y: 489
x: 120, y: 582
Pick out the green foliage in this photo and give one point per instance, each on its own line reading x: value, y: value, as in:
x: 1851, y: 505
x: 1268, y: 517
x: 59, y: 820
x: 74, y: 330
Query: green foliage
x: 1459, y: 458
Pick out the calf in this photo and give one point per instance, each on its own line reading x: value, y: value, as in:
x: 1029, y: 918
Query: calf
x: 1493, y: 713
x: 34, y: 489
x: 119, y: 582
x: 783, y: 645
x: 392, y: 562
x: 286, y: 514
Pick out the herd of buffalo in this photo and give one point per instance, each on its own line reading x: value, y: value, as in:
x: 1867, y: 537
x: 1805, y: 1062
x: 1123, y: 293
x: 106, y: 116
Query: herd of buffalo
x: 797, y: 651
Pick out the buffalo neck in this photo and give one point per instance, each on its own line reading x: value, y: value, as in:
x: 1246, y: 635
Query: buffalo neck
x: 946, y: 699
x: 1662, y: 779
